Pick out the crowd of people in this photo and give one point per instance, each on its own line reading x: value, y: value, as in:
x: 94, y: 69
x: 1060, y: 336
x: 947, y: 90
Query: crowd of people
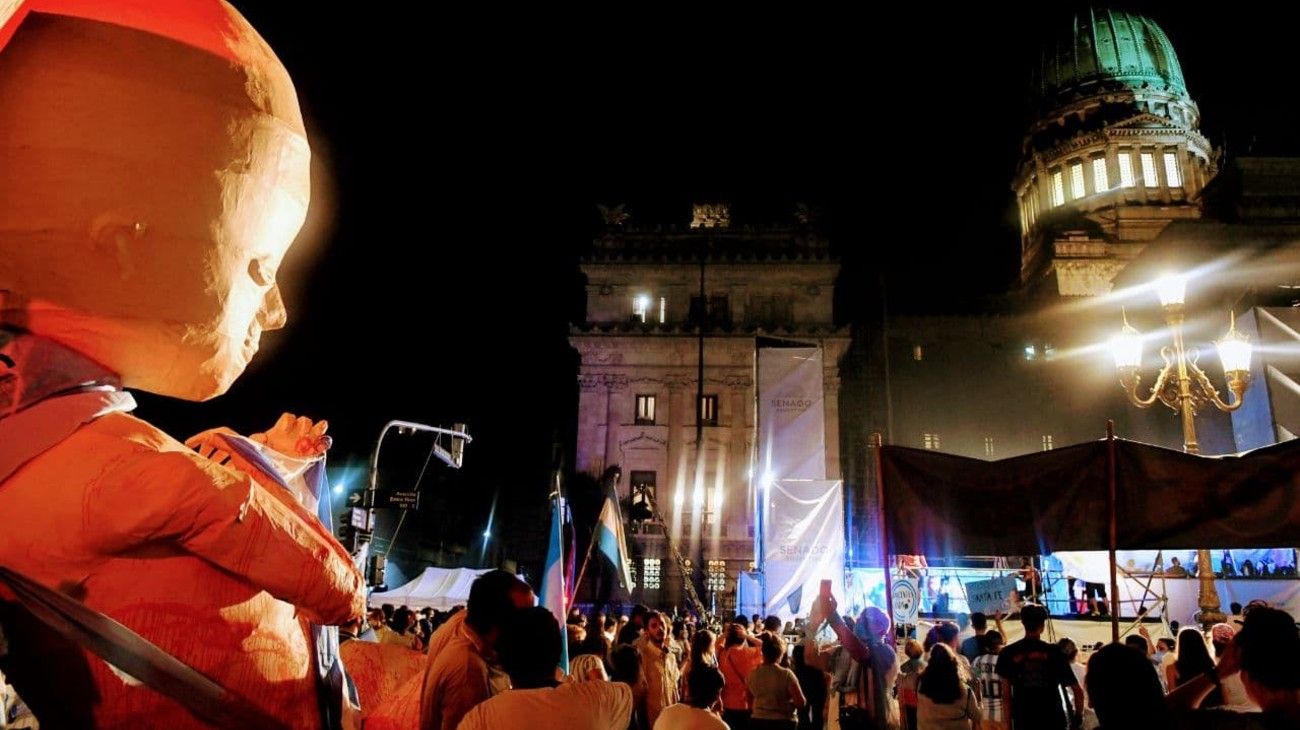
x: 494, y: 665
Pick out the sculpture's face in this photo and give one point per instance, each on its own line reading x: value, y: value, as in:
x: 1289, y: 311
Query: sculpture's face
x: 151, y: 179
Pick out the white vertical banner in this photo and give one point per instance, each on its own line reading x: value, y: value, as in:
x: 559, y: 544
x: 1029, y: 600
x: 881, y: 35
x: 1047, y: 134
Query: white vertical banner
x: 803, y: 539
x: 791, y: 413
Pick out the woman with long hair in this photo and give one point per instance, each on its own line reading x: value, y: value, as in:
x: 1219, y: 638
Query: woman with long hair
x: 703, y: 653
x: 1193, y: 661
x: 945, y: 700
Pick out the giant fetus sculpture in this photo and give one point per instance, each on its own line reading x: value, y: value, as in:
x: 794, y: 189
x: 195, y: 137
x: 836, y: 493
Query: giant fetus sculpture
x: 153, y: 171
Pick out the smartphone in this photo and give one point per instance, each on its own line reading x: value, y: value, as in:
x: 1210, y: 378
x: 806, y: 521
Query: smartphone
x: 826, y: 589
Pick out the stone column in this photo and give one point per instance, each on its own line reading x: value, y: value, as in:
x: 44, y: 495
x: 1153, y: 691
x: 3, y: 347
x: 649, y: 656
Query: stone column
x: 739, y: 392
x: 831, y: 395
x: 678, y: 421
x: 592, y: 414
x: 617, y: 410
x: 1165, y: 195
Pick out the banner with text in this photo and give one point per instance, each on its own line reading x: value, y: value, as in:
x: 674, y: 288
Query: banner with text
x: 791, y: 413
x: 803, y: 538
x: 991, y: 596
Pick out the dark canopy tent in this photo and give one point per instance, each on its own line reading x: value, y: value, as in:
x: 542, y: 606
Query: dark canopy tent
x: 939, y: 504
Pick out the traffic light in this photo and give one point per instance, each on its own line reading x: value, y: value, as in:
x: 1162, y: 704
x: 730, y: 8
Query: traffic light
x: 354, y: 528
x: 377, y: 566
x: 458, y: 445
x: 346, y: 533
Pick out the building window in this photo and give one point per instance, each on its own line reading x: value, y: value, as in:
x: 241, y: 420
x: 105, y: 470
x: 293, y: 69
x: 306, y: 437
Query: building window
x: 645, y: 410
x: 640, y: 307
x: 918, y: 353
x: 1149, y: 178
x: 1126, y: 179
x: 650, y: 573
x: 1058, y: 189
x: 1047, y: 442
x: 1076, y: 181
x: 1173, y: 175
x: 1099, y: 179
x: 988, y: 445
x: 709, y: 410
x: 930, y: 441
x: 712, y: 311
x: 663, y: 309
x: 717, y: 576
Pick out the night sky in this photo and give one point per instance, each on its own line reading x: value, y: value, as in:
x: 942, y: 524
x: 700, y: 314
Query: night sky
x: 461, y: 154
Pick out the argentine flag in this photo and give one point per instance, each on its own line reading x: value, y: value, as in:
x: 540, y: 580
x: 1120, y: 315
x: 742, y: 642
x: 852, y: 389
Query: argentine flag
x: 553, y: 579
x: 612, y: 543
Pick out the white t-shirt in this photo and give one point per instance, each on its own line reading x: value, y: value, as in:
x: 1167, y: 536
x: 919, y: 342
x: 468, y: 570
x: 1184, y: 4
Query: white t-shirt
x: 682, y: 716
x: 570, y: 706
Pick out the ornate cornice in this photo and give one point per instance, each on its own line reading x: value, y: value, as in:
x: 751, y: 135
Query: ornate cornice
x: 643, y: 436
x: 595, y: 381
x: 599, y: 353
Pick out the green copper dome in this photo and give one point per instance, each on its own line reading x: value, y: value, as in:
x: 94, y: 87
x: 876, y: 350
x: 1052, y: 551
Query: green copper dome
x: 1103, y: 48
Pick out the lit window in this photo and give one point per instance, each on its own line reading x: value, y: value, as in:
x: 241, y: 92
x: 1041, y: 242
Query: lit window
x: 640, y: 307
x: 717, y: 575
x: 650, y: 573
x: 1172, y: 175
x: 1149, y: 178
x: 663, y: 309
x: 1031, y: 352
x: 1058, y: 189
x: 1126, y: 170
x: 1076, y: 181
x: 918, y: 353
x: 1047, y: 442
x: 1099, y: 179
x: 988, y: 445
x: 930, y: 441
x: 645, y: 410
x: 709, y: 410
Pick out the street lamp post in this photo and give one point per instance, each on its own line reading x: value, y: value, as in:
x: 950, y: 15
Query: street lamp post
x: 1186, y: 389
x: 453, y: 456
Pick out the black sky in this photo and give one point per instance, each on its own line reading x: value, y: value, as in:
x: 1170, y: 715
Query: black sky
x: 466, y: 150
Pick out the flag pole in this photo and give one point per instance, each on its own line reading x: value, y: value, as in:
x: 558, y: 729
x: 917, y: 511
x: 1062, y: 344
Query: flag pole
x: 591, y: 544
x: 884, y: 530
x: 1111, y: 507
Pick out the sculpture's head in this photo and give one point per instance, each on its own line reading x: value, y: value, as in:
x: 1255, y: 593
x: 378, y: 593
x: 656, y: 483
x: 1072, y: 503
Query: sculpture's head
x: 153, y: 172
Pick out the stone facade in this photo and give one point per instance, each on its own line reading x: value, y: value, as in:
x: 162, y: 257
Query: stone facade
x: 640, y: 360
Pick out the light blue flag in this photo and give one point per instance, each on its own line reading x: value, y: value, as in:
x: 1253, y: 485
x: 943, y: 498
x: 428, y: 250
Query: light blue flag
x: 553, y: 580
x: 611, y: 541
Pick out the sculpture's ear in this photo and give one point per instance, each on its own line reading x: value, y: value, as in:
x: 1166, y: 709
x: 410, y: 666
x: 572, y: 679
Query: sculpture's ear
x: 119, y: 233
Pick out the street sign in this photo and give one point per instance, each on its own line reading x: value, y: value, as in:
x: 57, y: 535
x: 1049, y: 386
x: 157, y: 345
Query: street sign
x: 405, y: 500
x: 361, y: 518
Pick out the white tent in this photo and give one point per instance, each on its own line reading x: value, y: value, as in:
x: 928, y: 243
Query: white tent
x: 436, y: 588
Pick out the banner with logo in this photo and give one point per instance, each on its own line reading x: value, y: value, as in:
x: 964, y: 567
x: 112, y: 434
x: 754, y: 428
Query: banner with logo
x: 803, y: 538
x: 791, y: 413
